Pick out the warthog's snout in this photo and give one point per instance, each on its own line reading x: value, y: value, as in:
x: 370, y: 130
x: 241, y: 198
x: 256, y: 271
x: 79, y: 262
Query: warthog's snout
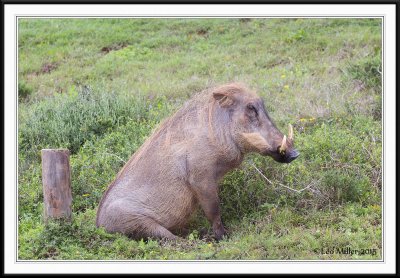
x: 284, y: 157
x: 284, y: 153
x: 290, y: 156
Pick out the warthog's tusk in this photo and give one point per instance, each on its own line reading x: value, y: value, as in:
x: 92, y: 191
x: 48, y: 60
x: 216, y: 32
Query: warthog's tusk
x: 283, y: 146
x: 290, y: 132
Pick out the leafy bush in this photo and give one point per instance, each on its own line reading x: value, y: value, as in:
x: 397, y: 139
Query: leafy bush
x: 24, y: 90
x: 369, y: 71
x: 69, y: 120
x: 345, y: 185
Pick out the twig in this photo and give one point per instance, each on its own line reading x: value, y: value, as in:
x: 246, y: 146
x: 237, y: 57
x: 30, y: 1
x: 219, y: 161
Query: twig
x: 295, y: 190
x: 377, y: 69
x: 285, y: 186
x: 368, y: 152
x: 379, y: 176
x: 261, y: 173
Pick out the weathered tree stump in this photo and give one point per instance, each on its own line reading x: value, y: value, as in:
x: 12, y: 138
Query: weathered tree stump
x: 56, y: 178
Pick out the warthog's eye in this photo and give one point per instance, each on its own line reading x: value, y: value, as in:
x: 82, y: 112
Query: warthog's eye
x: 252, y: 109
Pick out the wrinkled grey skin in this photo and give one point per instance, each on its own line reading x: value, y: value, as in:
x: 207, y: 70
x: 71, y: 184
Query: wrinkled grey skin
x: 179, y: 165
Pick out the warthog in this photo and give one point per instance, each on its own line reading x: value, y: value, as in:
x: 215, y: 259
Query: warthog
x: 179, y: 165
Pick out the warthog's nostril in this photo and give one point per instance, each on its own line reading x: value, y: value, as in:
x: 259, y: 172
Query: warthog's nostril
x: 292, y: 155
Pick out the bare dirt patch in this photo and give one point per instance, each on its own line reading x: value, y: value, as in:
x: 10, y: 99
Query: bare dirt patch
x: 245, y: 19
x: 201, y: 32
x: 113, y: 47
x: 48, y: 67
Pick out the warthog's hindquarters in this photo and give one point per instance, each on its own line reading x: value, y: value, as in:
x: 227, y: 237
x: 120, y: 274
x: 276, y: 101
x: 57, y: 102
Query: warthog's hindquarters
x: 120, y: 218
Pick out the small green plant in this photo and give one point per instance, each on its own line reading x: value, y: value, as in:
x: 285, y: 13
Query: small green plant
x: 297, y: 36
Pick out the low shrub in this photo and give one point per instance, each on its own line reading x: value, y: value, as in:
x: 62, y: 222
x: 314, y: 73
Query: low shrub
x: 369, y: 71
x: 24, y: 90
x: 69, y: 120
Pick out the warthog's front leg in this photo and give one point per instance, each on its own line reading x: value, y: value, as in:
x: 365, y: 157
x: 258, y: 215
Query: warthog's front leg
x: 207, y: 195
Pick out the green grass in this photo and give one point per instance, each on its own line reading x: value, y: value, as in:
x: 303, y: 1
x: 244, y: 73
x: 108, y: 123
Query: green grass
x: 100, y: 86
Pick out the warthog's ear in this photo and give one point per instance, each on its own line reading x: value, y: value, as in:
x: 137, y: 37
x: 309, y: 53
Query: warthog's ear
x: 256, y: 141
x: 224, y: 99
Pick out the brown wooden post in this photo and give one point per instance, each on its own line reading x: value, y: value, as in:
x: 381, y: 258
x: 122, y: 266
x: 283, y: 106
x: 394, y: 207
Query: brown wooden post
x: 56, y: 178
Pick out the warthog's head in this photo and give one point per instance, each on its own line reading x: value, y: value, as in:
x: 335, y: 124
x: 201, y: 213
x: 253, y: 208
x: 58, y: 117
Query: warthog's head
x: 253, y: 130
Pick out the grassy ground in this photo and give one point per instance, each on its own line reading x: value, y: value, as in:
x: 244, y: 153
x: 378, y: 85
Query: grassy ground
x: 100, y: 86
